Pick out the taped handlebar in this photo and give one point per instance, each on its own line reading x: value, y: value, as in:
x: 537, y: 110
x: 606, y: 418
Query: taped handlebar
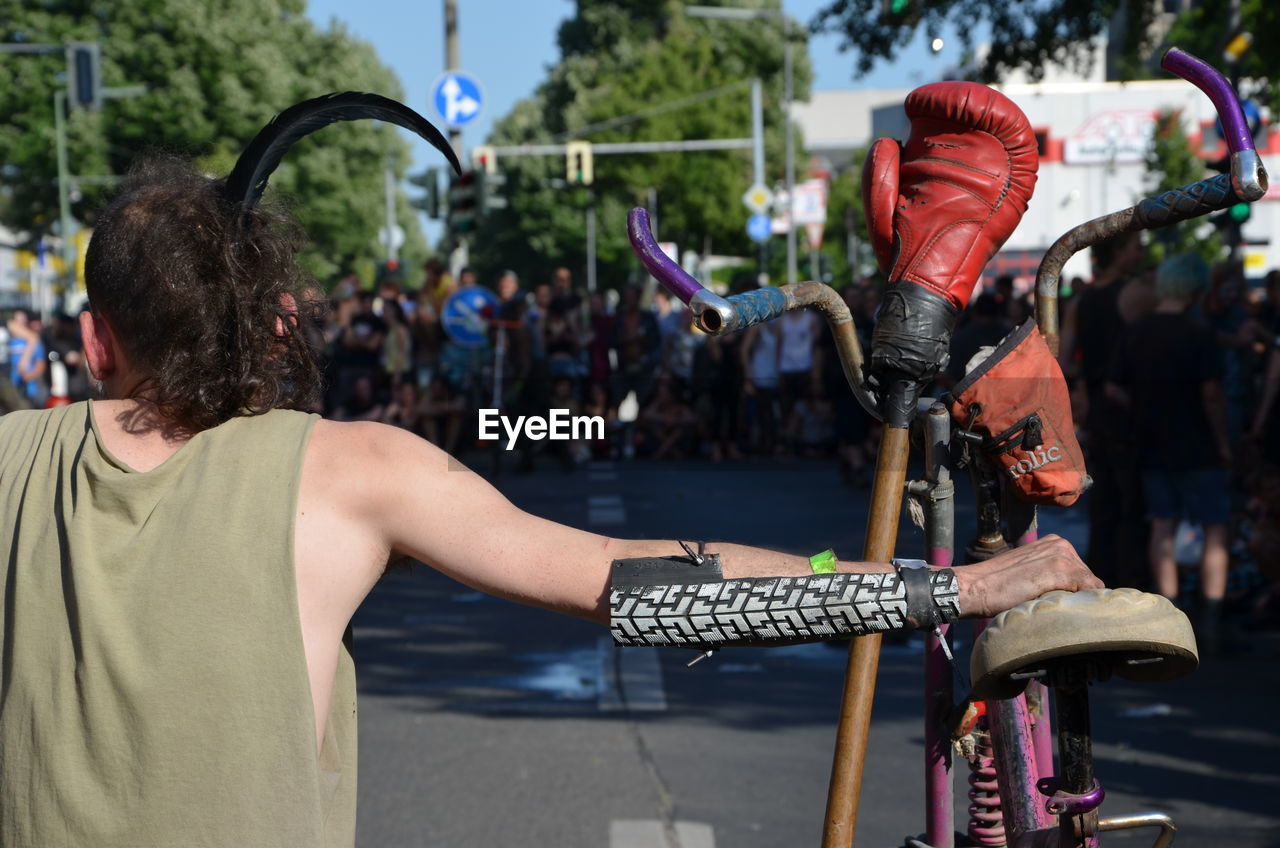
x: 716, y: 315
x: 712, y: 313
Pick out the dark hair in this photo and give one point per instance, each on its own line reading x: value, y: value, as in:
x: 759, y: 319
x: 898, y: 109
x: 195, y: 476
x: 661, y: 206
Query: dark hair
x: 196, y: 293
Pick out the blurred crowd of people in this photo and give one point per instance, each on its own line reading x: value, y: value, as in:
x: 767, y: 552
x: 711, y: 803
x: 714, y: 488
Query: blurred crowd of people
x: 1174, y: 371
x: 1174, y: 374
x: 664, y: 389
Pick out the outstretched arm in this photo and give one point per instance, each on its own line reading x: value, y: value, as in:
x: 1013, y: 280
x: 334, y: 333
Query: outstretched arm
x: 423, y: 504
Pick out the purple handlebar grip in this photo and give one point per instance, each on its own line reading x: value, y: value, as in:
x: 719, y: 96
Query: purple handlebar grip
x: 1209, y: 80
x: 671, y: 275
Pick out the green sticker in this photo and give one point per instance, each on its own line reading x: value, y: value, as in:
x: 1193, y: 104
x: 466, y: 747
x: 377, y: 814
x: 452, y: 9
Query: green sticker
x: 823, y: 563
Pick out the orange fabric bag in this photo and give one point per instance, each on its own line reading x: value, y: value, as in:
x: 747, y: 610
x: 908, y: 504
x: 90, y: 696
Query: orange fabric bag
x: 1017, y: 401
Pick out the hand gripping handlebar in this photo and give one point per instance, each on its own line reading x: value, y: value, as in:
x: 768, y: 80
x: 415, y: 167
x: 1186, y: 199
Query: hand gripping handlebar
x: 1247, y: 182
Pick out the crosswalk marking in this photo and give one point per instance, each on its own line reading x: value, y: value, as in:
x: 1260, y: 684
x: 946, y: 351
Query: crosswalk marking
x: 649, y: 833
x: 606, y: 510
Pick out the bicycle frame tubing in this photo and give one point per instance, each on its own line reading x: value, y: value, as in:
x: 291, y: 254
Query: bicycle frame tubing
x: 937, y: 495
x: 1247, y: 182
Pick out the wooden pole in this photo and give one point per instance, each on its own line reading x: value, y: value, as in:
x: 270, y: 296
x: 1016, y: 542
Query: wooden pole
x: 864, y: 651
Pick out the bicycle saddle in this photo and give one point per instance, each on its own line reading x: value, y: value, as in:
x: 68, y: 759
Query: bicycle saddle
x: 1131, y: 634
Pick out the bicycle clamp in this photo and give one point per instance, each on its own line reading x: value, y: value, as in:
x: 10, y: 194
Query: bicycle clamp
x: 1063, y: 803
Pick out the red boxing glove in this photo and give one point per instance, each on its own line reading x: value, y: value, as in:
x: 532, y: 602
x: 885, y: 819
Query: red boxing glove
x: 937, y: 212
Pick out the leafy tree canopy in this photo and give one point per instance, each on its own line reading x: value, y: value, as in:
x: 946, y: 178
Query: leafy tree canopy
x: 1205, y: 28
x: 679, y: 78
x: 1026, y: 36
x: 1171, y: 164
x: 214, y: 74
x: 1029, y: 36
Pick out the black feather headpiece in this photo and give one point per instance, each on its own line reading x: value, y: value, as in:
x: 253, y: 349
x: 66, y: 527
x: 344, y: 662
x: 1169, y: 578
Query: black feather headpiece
x: 248, y: 179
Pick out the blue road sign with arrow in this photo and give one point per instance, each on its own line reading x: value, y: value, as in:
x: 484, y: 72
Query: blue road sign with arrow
x: 466, y: 315
x: 759, y: 227
x: 457, y: 98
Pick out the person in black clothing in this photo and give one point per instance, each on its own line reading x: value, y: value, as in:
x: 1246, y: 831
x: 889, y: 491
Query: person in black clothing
x: 1168, y: 371
x: 563, y: 293
x: 986, y: 328
x: 62, y: 340
x: 1091, y: 333
x: 639, y: 347
x: 358, y: 348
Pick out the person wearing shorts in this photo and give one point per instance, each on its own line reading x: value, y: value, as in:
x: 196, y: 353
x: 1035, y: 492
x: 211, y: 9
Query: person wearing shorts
x: 1169, y: 372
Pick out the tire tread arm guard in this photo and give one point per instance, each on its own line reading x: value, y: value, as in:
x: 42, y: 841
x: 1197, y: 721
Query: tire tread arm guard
x: 672, y: 601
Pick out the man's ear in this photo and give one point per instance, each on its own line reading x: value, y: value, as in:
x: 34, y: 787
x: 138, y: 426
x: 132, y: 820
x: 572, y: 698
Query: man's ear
x: 100, y: 350
x: 289, y: 305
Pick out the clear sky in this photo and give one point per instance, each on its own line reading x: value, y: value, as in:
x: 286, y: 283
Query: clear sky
x: 508, y: 45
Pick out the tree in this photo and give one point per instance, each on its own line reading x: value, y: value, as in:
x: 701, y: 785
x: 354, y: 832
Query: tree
x: 1204, y: 29
x: 677, y: 78
x: 214, y: 75
x: 1171, y: 164
x: 1029, y: 36
x: 844, y: 218
x: 1026, y: 36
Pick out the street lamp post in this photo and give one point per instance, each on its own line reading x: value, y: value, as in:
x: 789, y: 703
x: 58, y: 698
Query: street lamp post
x: 731, y: 14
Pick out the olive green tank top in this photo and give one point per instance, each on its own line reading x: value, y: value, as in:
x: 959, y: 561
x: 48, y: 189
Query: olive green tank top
x: 153, y: 685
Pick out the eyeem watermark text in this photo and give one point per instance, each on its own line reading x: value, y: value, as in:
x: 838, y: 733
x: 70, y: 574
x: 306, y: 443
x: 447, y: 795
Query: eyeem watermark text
x: 559, y: 425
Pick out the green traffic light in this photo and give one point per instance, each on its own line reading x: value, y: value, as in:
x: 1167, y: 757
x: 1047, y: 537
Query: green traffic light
x: 898, y: 7
x: 1239, y: 212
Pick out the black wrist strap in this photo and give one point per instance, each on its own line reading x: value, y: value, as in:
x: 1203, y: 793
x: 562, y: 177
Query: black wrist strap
x: 932, y: 595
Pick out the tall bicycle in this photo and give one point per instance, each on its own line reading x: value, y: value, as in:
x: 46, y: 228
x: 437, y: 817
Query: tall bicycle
x: 1052, y: 648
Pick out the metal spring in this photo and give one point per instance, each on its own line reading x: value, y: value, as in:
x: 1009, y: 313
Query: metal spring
x: 986, y: 820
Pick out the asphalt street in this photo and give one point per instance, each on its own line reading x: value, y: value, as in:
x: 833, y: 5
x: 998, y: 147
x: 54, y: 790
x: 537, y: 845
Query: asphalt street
x: 486, y: 723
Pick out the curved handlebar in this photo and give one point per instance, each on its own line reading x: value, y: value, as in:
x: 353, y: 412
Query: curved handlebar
x: 1248, y: 176
x: 671, y: 275
x: 711, y: 312
x: 717, y: 316
x: 1218, y: 89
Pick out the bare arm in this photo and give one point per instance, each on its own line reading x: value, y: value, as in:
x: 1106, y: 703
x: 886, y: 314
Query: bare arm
x: 1269, y: 391
x: 418, y: 502
x: 29, y: 368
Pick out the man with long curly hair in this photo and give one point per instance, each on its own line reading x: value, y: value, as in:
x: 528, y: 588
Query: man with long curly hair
x: 184, y: 555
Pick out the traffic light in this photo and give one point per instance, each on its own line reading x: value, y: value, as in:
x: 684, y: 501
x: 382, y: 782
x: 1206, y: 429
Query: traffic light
x: 579, y: 168
x: 897, y: 11
x: 463, y: 206
x: 84, y: 74
x: 1230, y: 221
x: 485, y: 159
x: 429, y: 203
x: 1237, y: 47
x: 488, y: 186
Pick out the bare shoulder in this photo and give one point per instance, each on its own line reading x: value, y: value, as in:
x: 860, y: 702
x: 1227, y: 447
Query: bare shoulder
x: 380, y: 476
x: 359, y: 455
